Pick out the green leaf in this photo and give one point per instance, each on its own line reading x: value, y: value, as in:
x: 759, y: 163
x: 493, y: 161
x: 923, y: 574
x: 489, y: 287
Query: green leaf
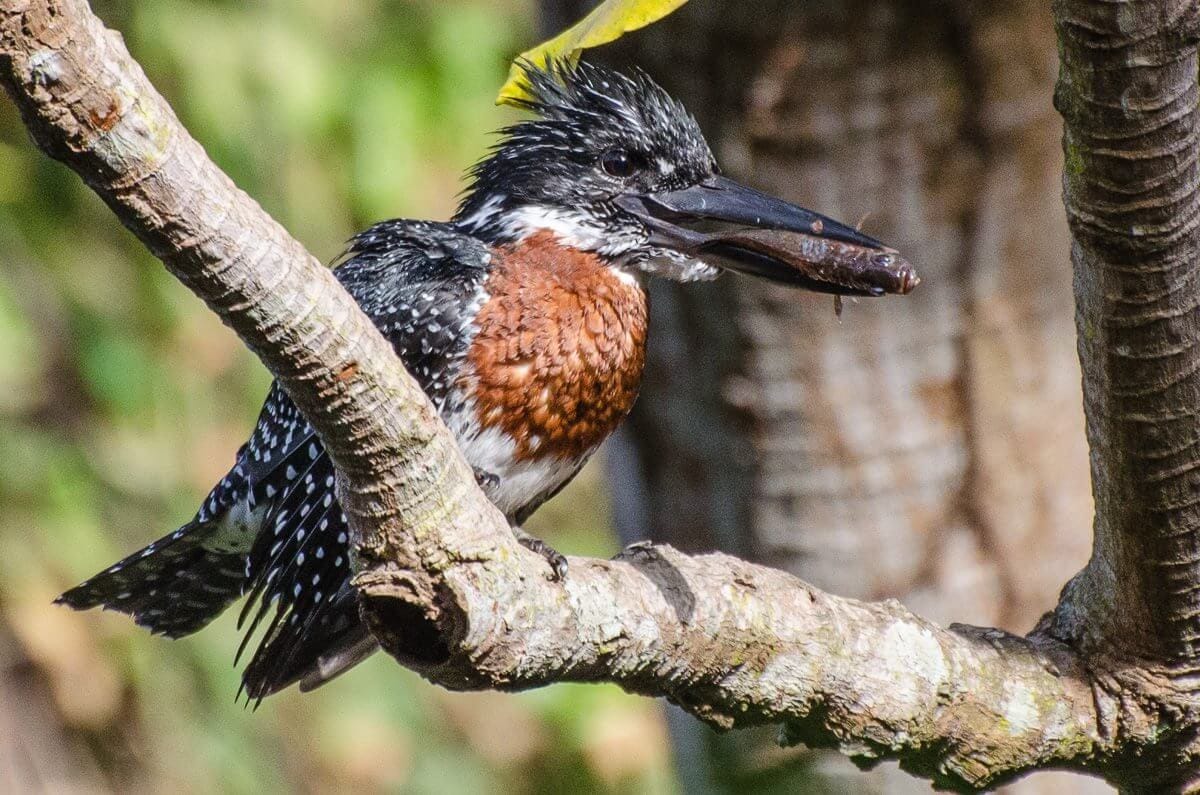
x: 608, y: 21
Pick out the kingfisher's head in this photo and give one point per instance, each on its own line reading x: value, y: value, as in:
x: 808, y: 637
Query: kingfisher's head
x: 612, y: 164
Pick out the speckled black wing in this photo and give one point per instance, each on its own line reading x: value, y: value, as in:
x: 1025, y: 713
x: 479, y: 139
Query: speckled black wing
x: 420, y: 283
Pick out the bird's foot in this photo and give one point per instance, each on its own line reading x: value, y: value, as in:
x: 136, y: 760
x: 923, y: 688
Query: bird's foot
x: 557, y: 561
x: 638, y: 549
x: 485, y: 479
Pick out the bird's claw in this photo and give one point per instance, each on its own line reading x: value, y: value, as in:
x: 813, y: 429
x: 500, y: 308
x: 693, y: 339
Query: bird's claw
x: 557, y: 561
x: 485, y: 479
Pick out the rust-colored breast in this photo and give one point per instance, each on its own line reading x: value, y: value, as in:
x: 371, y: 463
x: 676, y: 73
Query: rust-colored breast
x: 557, y: 360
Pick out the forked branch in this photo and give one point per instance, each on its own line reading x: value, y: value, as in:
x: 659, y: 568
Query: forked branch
x: 444, y: 586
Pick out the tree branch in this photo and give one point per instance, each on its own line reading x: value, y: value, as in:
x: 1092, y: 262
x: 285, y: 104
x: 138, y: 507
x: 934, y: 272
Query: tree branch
x: 444, y: 586
x: 1128, y: 93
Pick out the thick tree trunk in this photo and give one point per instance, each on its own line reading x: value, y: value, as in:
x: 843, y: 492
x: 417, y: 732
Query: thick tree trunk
x: 930, y: 448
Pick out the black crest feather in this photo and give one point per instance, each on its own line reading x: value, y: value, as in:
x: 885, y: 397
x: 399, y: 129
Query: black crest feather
x: 580, y: 111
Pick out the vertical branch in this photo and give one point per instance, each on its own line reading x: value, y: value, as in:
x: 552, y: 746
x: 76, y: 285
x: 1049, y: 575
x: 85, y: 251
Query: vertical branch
x: 1127, y: 91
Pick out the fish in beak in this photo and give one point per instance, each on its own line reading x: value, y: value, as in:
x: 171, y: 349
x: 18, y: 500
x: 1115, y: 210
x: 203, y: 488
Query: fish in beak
x: 745, y: 230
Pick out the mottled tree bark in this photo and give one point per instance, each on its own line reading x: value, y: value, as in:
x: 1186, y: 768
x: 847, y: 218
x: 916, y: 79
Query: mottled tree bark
x: 1102, y: 685
x: 1132, y: 186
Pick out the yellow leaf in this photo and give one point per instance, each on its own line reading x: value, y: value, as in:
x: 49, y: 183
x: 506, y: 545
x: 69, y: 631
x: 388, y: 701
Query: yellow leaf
x: 608, y: 21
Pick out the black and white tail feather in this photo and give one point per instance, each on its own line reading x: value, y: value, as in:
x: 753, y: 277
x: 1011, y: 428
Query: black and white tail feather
x: 179, y: 583
x: 272, y: 529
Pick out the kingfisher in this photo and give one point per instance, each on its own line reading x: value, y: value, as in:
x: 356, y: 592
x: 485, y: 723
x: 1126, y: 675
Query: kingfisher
x: 524, y: 320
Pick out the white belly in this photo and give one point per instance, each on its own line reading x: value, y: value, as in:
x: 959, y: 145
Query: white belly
x: 518, y: 483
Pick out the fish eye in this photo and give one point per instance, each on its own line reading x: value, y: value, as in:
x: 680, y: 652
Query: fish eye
x: 619, y: 163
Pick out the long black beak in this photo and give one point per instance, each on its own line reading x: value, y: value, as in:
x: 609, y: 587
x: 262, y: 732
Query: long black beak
x: 749, y: 231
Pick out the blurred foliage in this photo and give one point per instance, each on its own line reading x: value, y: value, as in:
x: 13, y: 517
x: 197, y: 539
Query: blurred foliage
x: 122, y: 399
x: 607, y: 22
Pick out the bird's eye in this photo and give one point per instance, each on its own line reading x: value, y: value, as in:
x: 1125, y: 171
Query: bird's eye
x: 619, y: 163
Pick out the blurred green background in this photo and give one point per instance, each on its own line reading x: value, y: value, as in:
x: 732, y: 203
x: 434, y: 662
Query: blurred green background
x: 122, y: 399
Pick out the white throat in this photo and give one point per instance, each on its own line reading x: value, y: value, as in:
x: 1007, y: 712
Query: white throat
x: 626, y: 250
